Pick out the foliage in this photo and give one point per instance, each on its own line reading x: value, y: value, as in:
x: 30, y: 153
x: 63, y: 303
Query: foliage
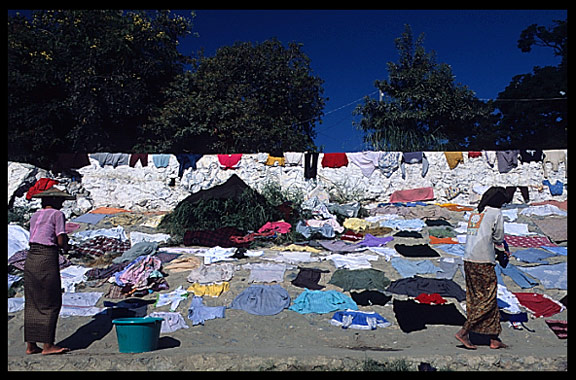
x: 248, y: 213
x: 422, y: 108
x: 526, y: 118
x: 86, y: 80
x: 247, y: 98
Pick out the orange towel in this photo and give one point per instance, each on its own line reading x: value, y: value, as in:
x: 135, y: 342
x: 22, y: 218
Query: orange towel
x: 108, y: 210
x: 446, y: 240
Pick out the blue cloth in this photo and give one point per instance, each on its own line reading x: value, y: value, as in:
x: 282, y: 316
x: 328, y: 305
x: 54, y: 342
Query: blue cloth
x: 519, y: 277
x: 161, y: 160
x: 556, y: 250
x: 260, y: 299
x: 409, y: 268
x: 198, y: 313
x: 373, y: 241
x: 90, y: 218
x: 322, y: 301
x: 453, y: 249
x: 555, y: 189
x: 187, y: 160
x: 532, y: 255
x: 552, y: 276
x: 404, y: 224
x: 360, y: 320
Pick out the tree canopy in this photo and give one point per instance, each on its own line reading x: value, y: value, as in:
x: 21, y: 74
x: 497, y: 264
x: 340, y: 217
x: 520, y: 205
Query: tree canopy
x: 533, y: 108
x: 248, y: 97
x: 113, y: 80
x: 82, y: 81
x: 421, y: 108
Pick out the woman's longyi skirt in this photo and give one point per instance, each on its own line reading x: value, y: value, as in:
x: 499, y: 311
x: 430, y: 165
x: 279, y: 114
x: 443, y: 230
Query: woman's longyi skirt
x: 483, y: 316
x: 42, y: 292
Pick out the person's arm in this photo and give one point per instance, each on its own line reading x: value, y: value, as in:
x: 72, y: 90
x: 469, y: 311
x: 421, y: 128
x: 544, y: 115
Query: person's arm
x: 60, y: 230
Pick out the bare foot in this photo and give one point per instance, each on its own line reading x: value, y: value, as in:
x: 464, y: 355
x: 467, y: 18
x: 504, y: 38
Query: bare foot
x: 54, y: 350
x: 32, y: 348
x: 465, y: 340
x: 496, y: 344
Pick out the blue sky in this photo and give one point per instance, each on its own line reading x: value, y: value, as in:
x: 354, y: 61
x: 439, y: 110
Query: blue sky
x: 349, y: 50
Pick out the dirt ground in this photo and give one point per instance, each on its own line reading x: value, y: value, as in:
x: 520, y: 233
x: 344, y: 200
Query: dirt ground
x: 289, y: 340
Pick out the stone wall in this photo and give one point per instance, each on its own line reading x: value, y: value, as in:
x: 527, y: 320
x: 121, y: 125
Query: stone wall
x: 150, y: 188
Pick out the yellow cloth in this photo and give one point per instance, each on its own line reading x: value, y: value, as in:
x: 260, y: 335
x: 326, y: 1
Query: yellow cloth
x: 212, y: 290
x: 453, y: 158
x: 271, y: 161
x: 356, y: 224
x: 296, y: 247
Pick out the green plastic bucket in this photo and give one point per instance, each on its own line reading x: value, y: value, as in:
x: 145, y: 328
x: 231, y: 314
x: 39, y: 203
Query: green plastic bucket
x: 137, y: 334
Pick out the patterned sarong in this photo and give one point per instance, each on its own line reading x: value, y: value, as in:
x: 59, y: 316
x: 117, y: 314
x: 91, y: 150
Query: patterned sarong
x: 42, y: 293
x: 482, y: 312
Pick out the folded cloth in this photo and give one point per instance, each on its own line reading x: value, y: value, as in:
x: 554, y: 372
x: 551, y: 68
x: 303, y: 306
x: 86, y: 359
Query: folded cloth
x: 421, y: 194
x: 334, y: 160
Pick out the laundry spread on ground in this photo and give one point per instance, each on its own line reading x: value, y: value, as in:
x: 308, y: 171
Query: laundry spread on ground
x: 228, y: 250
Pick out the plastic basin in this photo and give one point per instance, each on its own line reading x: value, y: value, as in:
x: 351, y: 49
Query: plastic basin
x: 137, y: 334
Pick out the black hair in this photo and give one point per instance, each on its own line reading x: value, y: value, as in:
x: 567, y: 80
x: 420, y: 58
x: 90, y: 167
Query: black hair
x: 496, y: 197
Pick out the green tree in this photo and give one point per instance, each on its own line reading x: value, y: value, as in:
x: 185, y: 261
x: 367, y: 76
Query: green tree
x: 87, y: 80
x: 421, y: 106
x: 533, y: 109
x: 246, y: 98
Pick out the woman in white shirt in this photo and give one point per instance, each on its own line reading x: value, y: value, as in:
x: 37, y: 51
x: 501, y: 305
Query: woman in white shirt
x: 485, y: 229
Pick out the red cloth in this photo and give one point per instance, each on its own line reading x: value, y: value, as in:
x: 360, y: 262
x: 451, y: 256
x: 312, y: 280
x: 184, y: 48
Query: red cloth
x: 539, y: 304
x: 334, y: 160
x: 280, y: 227
x: 421, y: 194
x: 41, y: 185
x: 474, y: 154
x: 429, y: 299
x: 229, y: 161
x: 351, y: 236
x: 528, y: 241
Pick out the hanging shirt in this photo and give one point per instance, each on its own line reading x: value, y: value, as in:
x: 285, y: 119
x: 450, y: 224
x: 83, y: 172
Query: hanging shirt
x: 229, y: 161
x: 334, y: 160
x: 507, y: 160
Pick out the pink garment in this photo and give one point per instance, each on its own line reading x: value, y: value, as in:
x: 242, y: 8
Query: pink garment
x: 412, y: 195
x: 281, y: 227
x: 528, y: 241
x: 45, y: 226
x: 229, y: 161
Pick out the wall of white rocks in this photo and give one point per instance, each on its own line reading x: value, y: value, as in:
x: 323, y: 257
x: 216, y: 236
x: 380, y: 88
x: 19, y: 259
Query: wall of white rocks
x: 150, y: 188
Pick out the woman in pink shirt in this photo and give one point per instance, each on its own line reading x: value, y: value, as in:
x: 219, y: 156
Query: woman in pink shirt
x: 42, y: 289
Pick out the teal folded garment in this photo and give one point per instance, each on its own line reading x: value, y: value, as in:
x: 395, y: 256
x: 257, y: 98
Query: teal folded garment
x: 322, y: 301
